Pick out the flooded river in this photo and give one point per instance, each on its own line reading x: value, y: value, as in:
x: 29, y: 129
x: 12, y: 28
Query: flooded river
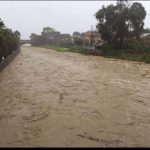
x: 54, y: 99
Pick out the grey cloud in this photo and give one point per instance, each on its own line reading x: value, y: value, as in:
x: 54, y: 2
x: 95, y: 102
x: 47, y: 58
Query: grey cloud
x: 31, y: 16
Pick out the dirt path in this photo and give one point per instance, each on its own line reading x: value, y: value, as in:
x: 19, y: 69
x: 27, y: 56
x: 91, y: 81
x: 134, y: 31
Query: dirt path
x: 49, y: 98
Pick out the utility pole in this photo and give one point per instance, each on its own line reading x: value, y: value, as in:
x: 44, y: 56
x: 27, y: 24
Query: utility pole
x: 91, y: 35
x: 91, y: 28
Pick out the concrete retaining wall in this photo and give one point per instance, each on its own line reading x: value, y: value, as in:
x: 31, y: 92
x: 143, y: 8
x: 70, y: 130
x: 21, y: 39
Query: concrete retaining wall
x: 6, y: 61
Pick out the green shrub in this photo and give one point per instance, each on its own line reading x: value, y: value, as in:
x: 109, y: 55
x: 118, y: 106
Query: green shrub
x: 9, y: 40
x: 66, y: 44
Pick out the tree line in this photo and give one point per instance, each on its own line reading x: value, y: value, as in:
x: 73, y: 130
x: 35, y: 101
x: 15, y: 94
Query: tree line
x: 122, y: 28
x: 122, y: 21
x: 50, y: 36
x: 9, y: 40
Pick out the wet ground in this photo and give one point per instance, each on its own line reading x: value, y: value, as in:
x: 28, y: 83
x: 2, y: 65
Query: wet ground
x: 54, y: 99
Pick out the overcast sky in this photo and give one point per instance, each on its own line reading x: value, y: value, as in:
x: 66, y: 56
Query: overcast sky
x: 65, y: 16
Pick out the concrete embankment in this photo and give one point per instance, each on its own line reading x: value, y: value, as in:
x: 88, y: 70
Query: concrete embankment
x: 6, y: 61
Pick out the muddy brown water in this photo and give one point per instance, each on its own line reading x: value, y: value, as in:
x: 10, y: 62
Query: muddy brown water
x: 54, y: 99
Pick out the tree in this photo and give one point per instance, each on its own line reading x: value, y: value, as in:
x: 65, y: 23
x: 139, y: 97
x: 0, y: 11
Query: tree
x: 50, y: 36
x: 16, y: 38
x: 112, y: 24
x: 37, y: 39
x: 115, y: 23
x: 33, y: 35
x: 47, y: 33
x: 1, y: 24
x: 76, y: 34
x: 47, y: 30
x: 9, y: 40
x: 137, y: 16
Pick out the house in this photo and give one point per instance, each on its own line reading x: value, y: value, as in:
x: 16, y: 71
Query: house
x: 65, y: 38
x: 93, y: 38
x: 77, y: 34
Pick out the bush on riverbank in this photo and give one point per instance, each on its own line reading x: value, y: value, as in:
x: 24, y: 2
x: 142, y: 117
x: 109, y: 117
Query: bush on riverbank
x: 74, y: 49
x: 135, y: 50
x: 9, y: 41
x: 132, y: 50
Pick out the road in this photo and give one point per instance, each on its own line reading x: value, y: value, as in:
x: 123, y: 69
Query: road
x: 54, y: 99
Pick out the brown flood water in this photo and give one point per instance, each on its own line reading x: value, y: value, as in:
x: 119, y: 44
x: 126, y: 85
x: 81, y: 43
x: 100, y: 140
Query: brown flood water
x: 53, y: 99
